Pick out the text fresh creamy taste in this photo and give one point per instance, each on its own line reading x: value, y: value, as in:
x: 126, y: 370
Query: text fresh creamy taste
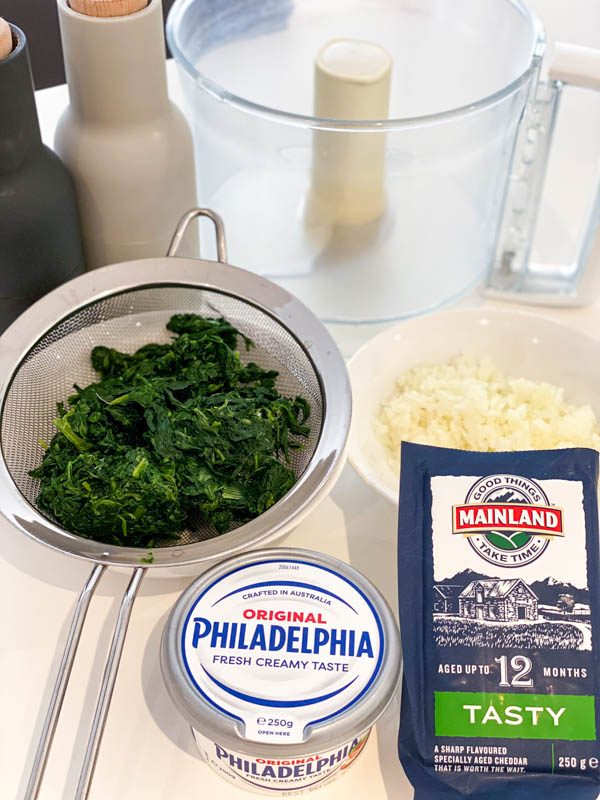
x: 282, y: 661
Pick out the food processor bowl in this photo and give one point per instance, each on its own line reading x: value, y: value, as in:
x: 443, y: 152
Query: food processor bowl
x: 462, y: 74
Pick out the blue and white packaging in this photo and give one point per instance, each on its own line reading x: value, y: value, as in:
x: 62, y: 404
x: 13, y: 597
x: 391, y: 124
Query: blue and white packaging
x: 281, y: 660
x: 498, y: 574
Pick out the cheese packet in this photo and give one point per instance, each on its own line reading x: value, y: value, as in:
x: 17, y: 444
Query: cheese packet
x: 499, y: 600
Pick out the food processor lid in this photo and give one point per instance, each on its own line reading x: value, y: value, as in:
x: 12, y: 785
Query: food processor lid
x: 283, y: 647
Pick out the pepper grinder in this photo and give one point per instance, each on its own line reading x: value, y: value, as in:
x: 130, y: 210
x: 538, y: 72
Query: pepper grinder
x: 126, y: 144
x: 40, y: 243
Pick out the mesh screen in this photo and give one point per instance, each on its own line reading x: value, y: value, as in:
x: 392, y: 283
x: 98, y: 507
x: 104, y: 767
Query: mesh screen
x: 126, y: 321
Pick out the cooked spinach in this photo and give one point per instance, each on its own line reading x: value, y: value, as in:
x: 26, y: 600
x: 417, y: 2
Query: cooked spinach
x: 170, y: 432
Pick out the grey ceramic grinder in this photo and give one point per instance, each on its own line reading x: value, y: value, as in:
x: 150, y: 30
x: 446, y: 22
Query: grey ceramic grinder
x: 40, y: 245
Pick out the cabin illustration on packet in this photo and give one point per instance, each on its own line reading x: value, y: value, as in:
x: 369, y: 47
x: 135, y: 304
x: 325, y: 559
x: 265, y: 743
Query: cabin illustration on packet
x: 507, y: 521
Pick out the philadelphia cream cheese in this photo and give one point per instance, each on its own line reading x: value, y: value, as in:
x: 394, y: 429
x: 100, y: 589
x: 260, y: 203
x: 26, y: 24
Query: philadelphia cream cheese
x: 281, y: 660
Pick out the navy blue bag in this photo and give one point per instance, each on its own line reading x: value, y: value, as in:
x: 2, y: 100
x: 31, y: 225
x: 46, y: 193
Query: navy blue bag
x: 499, y: 602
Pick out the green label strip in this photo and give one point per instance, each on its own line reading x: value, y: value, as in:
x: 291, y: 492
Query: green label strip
x: 515, y: 716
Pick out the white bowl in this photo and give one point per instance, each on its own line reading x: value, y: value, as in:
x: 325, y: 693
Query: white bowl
x: 521, y: 344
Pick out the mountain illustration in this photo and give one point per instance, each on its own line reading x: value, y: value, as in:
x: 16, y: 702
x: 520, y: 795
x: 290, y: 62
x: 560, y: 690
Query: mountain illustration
x: 464, y: 578
x: 550, y: 590
x: 506, y: 497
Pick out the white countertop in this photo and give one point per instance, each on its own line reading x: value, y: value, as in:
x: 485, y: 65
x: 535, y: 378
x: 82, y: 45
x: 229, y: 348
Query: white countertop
x: 148, y: 750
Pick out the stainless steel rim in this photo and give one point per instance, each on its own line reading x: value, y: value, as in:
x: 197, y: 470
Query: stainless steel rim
x: 289, y: 312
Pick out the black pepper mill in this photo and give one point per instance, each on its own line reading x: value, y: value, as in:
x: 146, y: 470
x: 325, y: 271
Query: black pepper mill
x: 40, y: 243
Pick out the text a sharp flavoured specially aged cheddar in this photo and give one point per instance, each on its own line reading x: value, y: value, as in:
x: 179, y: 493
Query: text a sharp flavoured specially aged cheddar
x: 508, y: 597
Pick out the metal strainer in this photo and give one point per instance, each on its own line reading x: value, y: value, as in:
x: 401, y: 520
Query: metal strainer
x: 126, y: 305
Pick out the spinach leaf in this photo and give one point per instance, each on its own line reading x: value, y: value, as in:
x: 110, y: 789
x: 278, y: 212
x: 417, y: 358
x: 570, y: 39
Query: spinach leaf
x: 170, y: 432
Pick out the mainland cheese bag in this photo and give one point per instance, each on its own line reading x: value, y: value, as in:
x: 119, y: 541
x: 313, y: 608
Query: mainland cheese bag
x: 499, y: 603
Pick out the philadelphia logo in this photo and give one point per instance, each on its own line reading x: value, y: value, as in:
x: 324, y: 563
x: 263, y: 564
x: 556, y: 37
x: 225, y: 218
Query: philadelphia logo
x: 508, y: 520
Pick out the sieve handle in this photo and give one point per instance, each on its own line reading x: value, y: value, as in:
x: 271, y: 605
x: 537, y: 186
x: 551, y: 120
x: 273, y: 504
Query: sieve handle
x: 62, y: 680
x: 185, y: 221
x: 108, y: 684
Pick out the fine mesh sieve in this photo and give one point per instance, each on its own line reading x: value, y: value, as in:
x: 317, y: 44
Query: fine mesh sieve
x: 126, y: 321
x: 125, y: 306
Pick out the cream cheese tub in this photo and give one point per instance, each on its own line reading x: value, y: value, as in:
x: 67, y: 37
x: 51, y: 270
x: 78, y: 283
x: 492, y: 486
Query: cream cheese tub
x: 281, y: 660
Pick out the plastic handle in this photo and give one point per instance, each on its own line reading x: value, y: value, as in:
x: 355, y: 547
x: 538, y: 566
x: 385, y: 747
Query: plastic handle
x: 511, y: 277
x: 576, y: 65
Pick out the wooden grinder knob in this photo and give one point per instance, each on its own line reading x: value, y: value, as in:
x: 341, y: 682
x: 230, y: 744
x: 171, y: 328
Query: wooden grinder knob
x: 107, y: 8
x: 6, y: 41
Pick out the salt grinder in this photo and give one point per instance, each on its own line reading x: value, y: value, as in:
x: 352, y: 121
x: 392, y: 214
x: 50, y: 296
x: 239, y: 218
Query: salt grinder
x: 40, y: 243
x: 128, y: 147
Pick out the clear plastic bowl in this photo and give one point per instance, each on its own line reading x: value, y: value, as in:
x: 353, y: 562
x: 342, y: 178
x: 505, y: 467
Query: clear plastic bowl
x: 461, y: 78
